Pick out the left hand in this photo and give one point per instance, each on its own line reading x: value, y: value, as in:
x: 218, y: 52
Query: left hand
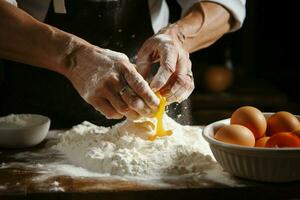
x: 174, y: 78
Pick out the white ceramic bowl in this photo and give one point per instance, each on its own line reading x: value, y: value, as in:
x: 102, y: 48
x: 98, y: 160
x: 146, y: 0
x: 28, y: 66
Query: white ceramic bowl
x: 255, y: 163
x: 23, y: 130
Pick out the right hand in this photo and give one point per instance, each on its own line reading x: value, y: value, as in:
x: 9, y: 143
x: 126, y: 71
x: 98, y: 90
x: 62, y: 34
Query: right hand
x: 100, y: 74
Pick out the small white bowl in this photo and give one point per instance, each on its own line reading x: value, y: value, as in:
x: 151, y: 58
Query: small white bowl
x: 255, y: 163
x: 23, y: 130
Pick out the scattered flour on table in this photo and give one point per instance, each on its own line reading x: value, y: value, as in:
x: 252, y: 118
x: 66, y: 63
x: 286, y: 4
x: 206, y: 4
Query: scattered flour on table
x: 55, y: 187
x: 124, y: 150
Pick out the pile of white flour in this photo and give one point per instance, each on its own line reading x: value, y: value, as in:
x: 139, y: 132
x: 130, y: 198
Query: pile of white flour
x: 123, y: 150
x: 15, y: 120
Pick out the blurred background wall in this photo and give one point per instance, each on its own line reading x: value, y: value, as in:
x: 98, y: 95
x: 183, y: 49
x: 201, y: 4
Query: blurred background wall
x: 257, y: 65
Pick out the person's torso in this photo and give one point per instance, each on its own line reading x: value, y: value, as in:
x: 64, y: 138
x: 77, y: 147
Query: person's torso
x: 158, y: 10
x: 121, y: 26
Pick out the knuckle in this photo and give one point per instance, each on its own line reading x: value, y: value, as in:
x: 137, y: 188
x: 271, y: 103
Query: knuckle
x: 124, y: 57
x: 181, y: 79
x: 112, y: 78
x: 189, y: 85
x: 139, y: 87
x: 133, y: 101
x: 107, y: 84
x: 123, y: 64
x: 169, y: 67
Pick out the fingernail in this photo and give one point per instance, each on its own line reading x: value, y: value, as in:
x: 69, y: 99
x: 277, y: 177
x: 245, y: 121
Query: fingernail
x: 155, y: 86
x: 156, y: 101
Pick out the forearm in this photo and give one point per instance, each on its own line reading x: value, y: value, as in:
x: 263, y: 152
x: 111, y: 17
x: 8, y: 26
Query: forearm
x: 205, y: 23
x: 26, y: 40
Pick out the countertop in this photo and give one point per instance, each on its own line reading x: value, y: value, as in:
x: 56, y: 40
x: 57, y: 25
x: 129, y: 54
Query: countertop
x: 39, y: 172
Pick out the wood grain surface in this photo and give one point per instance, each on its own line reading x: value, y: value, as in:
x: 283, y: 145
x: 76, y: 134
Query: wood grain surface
x: 22, y: 177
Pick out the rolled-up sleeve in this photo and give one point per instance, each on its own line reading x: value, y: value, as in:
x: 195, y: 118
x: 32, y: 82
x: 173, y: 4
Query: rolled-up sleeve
x: 13, y: 2
x: 237, y: 8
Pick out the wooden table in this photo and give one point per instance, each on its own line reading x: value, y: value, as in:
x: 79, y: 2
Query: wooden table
x: 23, y: 176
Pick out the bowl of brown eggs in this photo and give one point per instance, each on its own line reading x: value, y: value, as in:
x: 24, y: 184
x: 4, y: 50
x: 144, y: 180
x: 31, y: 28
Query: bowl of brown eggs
x: 257, y: 146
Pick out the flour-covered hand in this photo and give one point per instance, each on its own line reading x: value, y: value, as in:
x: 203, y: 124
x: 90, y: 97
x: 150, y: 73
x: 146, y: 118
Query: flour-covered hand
x: 174, y: 77
x: 110, y: 83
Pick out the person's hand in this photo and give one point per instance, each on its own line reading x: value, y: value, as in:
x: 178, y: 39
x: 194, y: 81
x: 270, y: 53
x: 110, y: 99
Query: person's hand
x: 174, y: 78
x: 110, y: 83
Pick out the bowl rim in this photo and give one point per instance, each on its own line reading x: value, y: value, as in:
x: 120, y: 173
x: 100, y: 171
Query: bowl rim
x: 212, y: 141
x: 44, y: 120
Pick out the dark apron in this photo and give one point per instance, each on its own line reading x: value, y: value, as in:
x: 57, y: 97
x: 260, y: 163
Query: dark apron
x: 121, y: 26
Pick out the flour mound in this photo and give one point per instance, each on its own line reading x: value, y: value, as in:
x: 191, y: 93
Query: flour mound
x: 119, y: 151
x: 16, y: 120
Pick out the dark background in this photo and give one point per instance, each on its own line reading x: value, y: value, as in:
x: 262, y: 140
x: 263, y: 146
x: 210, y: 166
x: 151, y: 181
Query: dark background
x: 264, y: 53
x: 265, y: 63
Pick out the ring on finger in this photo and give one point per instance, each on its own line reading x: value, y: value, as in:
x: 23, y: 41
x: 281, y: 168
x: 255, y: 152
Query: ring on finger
x: 123, y: 90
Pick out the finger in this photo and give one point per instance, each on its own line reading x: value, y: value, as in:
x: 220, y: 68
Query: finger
x: 187, y: 94
x: 168, y: 59
x: 132, y: 115
x: 178, y: 95
x: 146, y: 56
x: 141, y: 88
x: 175, y: 89
x: 117, y: 102
x: 180, y: 92
x: 112, y: 91
x: 144, y: 60
x: 106, y: 109
x: 182, y: 82
x: 143, y: 67
x: 190, y: 90
x: 135, y: 103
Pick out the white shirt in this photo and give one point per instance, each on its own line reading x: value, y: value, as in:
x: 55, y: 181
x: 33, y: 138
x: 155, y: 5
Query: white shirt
x: 158, y: 9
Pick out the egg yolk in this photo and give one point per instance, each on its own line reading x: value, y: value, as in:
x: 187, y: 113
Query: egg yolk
x: 160, y: 131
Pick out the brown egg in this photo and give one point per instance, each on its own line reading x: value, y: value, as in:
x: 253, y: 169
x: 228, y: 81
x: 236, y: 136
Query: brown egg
x: 261, y: 142
x: 282, y: 122
x: 251, y: 118
x: 296, y: 132
x: 235, y: 134
x: 283, y: 139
